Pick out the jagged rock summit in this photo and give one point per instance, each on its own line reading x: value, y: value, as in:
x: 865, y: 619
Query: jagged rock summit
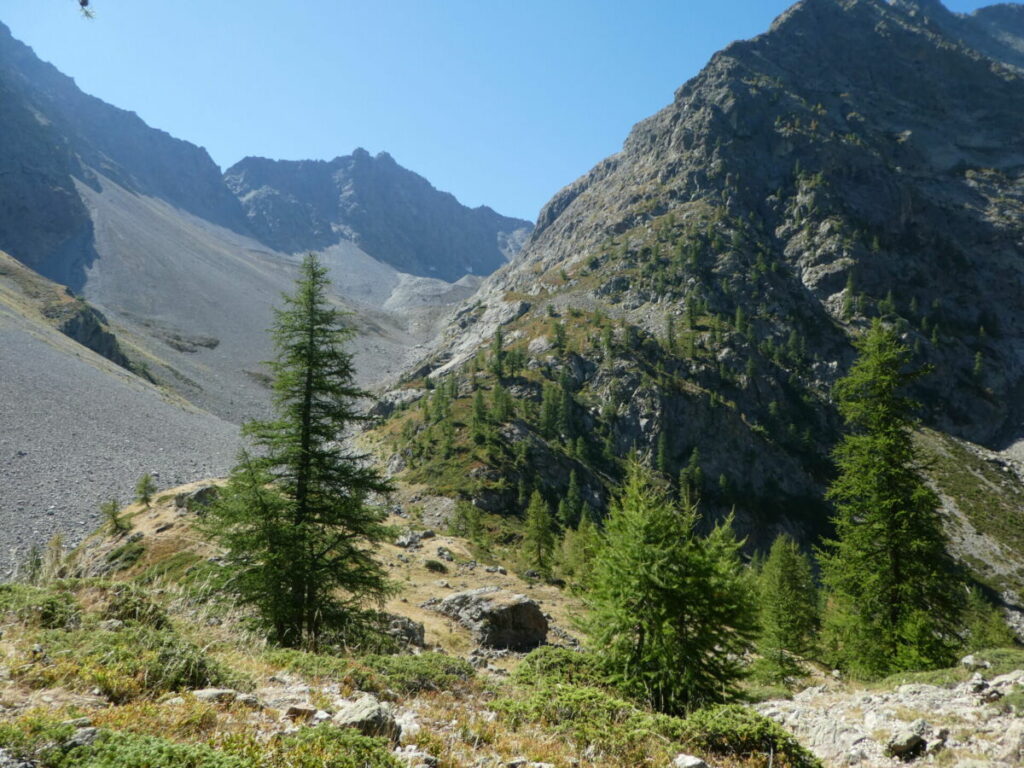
x: 393, y: 214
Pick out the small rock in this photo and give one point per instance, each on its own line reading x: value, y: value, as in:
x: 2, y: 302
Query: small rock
x: 216, y: 695
x: 83, y: 737
x: 973, y: 663
x: 250, y: 700
x: 688, y: 761
x: 445, y: 554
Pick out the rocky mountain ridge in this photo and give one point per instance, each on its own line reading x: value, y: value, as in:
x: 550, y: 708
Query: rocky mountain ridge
x: 390, y: 212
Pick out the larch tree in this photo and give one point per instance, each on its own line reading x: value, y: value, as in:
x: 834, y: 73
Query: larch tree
x: 671, y: 612
x: 895, y: 599
x: 295, y: 515
x: 788, y: 608
x: 538, y: 537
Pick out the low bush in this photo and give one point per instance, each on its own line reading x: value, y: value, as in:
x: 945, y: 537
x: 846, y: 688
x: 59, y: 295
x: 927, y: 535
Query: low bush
x: 39, y: 738
x: 131, y: 604
x: 627, y: 735
x: 375, y: 673
x: 733, y: 730
x: 138, y: 661
x: 551, y: 664
x: 53, y: 607
x: 435, y: 566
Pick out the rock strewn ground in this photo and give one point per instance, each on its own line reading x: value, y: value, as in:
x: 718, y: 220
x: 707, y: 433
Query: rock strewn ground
x: 964, y: 725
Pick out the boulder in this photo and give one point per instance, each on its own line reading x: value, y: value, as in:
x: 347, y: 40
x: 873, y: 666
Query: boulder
x: 370, y: 717
x: 498, y: 619
x: 406, y: 630
x: 688, y: 761
x: 906, y: 745
x: 413, y: 539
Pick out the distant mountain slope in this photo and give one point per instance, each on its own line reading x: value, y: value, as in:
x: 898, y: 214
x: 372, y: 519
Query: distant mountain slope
x: 78, y: 429
x: 694, y: 296
x: 391, y: 213
x: 55, y: 134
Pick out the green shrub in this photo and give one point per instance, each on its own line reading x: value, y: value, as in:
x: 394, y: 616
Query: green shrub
x: 320, y: 747
x: 131, y: 604
x: 435, y: 566
x: 733, y: 730
x: 125, y: 556
x: 39, y: 738
x: 43, y: 607
x: 401, y: 674
x: 594, y: 720
x: 117, y: 749
x: 424, y: 672
x: 135, y: 662
x: 551, y: 664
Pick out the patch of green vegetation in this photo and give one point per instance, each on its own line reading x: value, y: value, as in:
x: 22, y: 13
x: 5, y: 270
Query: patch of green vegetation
x: 54, y: 607
x: 126, y: 555
x: 1002, y: 660
x: 45, y: 742
x: 171, y: 568
x: 627, y: 735
x: 137, y: 661
x: 549, y: 664
x: 404, y: 674
x: 992, y: 500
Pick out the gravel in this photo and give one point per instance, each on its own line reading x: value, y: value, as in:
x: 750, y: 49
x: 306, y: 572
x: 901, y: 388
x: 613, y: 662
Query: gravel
x: 76, y: 430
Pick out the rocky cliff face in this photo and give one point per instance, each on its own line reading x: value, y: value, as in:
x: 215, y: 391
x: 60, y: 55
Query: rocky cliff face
x: 391, y: 213
x: 858, y: 160
x: 55, y: 135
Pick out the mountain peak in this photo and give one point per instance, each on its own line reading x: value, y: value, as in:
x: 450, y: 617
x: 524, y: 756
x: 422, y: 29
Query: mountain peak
x: 392, y: 213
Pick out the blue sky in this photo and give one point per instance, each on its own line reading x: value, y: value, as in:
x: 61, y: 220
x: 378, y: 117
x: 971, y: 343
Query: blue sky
x: 500, y: 103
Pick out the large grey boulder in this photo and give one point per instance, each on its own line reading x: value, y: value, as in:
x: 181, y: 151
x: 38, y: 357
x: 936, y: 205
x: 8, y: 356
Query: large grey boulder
x: 498, y: 619
x: 370, y: 717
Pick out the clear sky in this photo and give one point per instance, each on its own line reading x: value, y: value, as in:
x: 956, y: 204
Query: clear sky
x: 501, y: 102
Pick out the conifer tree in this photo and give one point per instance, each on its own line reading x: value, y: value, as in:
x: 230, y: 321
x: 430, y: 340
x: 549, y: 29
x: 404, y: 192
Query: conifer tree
x: 671, y: 611
x: 538, y: 538
x: 295, y: 516
x: 144, y: 490
x: 788, y: 607
x: 571, y: 507
x: 895, y: 600
x: 478, y: 425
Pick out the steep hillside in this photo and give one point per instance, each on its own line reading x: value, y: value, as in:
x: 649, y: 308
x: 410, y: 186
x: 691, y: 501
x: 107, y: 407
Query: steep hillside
x: 693, y: 297
x: 391, y: 213
x: 78, y: 429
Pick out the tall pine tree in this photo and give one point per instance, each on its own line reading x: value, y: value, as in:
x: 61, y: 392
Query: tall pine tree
x: 294, y: 515
x: 894, y: 598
